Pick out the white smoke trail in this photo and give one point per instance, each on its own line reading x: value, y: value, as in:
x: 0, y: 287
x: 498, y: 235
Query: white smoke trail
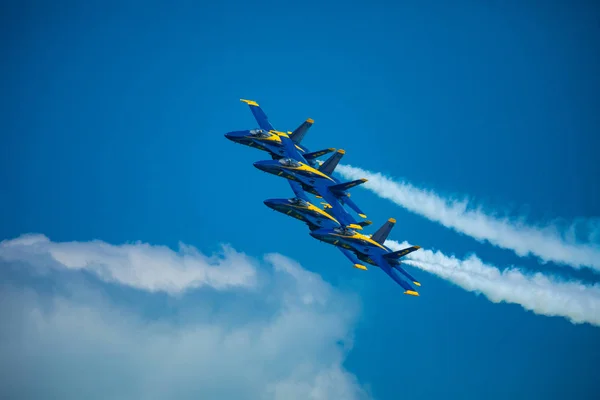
x: 539, y: 293
x: 547, y: 243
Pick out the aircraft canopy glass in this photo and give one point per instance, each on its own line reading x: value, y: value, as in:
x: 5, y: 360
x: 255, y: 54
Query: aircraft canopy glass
x: 259, y: 133
x: 343, y: 231
x: 289, y: 162
x: 299, y: 202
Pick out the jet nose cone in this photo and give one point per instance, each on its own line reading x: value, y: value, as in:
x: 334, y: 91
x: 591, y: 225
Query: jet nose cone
x: 269, y: 203
x: 236, y: 136
x: 319, y: 233
x: 262, y: 165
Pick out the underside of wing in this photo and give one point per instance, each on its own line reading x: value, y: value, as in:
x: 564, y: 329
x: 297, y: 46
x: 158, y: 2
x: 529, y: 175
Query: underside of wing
x: 387, y: 268
x: 298, y: 191
x: 336, y: 209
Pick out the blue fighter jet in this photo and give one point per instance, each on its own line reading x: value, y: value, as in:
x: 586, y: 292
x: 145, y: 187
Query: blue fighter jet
x: 358, y: 248
x: 318, y: 181
x: 267, y: 138
x: 301, y: 208
x: 361, y: 249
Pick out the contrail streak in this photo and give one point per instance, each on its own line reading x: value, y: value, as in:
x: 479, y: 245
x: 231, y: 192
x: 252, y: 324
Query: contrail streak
x: 539, y: 293
x: 546, y: 243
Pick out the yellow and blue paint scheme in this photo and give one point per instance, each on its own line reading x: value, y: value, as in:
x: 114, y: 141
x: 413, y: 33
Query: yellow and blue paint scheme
x: 301, y: 208
x: 304, y: 211
x: 362, y: 249
x: 288, y: 145
x: 267, y: 138
x: 317, y: 181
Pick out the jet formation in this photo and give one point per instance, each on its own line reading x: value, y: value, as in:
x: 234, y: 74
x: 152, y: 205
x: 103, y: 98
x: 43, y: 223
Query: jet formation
x: 332, y: 223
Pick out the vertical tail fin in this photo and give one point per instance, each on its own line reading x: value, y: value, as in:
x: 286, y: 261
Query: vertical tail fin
x: 382, y: 233
x: 329, y: 166
x: 300, y: 131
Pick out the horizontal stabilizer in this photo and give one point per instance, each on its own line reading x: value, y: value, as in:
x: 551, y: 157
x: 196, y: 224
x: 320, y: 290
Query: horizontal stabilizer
x: 382, y: 233
x: 400, y: 253
x: 318, y: 153
x: 364, y: 223
x: 259, y: 115
x: 300, y: 131
x: 342, y: 187
x: 329, y: 165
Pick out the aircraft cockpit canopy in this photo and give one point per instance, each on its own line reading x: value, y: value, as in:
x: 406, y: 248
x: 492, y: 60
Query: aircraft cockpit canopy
x: 343, y: 231
x: 289, y: 162
x: 299, y: 202
x: 259, y: 133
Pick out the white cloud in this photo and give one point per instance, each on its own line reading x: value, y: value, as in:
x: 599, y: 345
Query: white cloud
x: 139, y: 265
x: 537, y: 292
x: 547, y: 242
x: 287, y: 339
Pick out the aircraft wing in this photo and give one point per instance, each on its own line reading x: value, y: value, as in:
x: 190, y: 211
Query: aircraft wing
x: 298, y: 191
x: 337, y: 210
x: 290, y: 149
x: 352, y: 257
x: 259, y: 115
x: 388, y: 269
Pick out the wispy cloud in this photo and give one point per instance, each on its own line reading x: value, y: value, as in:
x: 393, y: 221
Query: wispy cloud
x: 235, y: 343
x: 545, y: 242
x: 139, y: 265
x: 539, y: 293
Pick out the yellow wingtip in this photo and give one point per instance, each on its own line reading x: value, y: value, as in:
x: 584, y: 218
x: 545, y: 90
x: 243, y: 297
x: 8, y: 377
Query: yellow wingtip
x: 310, y: 121
x: 417, y: 247
x: 341, y: 151
x: 250, y: 102
x: 392, y: 220
x: 360, y: 266
x: 364, y: 180
x: 412, y: 293
x: 362, y: 215
x: 417, y: 283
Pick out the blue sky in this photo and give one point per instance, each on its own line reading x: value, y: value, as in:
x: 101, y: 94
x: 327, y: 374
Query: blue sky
x: 113, y: 117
